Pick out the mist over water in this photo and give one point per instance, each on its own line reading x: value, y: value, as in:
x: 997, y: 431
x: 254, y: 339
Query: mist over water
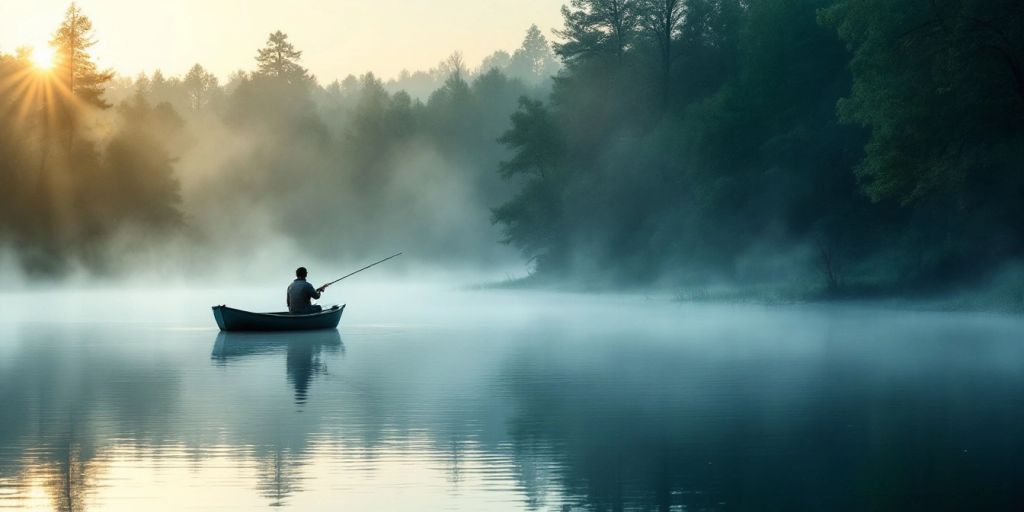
x: 762, y: 199
x: 433, y: 398
x: 695, y: 145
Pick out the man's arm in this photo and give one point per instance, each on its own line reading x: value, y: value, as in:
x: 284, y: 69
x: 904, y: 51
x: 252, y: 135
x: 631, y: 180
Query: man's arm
x: 312, y: 293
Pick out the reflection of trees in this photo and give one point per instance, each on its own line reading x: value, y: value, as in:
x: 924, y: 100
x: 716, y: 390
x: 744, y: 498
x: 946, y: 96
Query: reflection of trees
x: 534, y: 471
x: 621, y: 435
x: 64, y: 402
x: 69, y: 482
x: 279, y: 476
x: 660, y: 425
x: 61, y: 401
x: 66, y: 471
x: 764, y: 424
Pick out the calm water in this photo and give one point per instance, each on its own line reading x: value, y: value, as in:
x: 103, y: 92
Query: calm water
x: 432, y: 400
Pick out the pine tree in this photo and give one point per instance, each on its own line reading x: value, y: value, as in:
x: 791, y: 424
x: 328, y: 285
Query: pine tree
x: 279, y: 59
x: 534, y: 60
x: 75, y: 67
x: 597, y: 27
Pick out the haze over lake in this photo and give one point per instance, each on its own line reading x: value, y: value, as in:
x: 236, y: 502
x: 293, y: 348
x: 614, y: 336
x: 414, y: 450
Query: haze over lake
x: 672, y: 255
x: 438, y: 399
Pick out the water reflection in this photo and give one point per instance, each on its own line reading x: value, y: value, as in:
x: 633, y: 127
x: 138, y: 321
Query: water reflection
x: 63, y: 394
x: 803, y: 410
x: 303, y: 352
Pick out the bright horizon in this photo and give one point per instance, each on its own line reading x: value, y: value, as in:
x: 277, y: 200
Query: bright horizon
x: 337, y: 37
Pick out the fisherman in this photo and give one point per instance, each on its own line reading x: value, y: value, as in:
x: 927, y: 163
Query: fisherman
x: 300, y: 293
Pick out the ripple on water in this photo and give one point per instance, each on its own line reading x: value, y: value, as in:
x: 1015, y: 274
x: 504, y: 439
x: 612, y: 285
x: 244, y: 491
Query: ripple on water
x: 606, y: 404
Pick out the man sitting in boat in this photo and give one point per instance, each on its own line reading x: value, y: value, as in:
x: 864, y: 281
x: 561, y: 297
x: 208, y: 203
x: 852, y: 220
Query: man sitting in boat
x: 300, y: 294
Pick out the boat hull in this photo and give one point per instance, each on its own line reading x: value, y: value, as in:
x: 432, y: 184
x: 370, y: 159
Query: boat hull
x: 231, y: 319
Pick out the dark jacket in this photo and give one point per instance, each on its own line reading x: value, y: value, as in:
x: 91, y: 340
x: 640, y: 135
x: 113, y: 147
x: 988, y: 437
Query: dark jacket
x: 300, y: 293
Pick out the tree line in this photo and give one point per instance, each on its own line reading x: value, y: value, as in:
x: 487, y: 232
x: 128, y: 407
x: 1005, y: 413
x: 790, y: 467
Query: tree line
x: 845, y: 146
x: 339, y: 169
x: 840, y: 146
x: 68, y: 193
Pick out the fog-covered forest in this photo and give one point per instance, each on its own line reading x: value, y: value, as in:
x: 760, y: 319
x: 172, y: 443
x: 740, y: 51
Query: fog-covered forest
x: 833, y: 147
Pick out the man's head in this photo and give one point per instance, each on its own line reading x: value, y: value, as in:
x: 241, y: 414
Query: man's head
x: 300, y: 272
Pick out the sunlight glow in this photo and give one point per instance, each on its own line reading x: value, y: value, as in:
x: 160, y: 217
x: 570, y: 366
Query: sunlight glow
x: 35, y: 90
x: 43, y: 58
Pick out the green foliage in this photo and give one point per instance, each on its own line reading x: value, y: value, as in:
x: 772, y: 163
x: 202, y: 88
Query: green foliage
x: 843, y: 145
x: 535, y: 140
x: 701, y: 140
x: 597, y: 28
x: 533, y: 62
x: 941, y: 86
x: 532, y: 217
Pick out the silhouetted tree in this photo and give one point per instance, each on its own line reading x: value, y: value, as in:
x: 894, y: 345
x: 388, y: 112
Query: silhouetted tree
x: 693, y: 139
x: 78, y: 72
x: 534, y: 61
x: 597, y: 27
x: 71, y: 196
x: 451, y: 107
x: 661, y: 21
x: 201, y: 87
x: 531, y: 218
x: 279, y: 59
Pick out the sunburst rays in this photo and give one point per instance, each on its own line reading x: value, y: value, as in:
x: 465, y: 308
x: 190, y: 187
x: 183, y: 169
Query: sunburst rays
x: 34, y: 91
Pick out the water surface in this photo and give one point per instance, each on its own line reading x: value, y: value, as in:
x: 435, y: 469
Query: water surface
x: 428, y: 399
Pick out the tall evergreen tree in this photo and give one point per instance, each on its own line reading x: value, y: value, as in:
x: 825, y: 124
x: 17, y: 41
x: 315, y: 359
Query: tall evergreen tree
x: 534, y: 60
x: 531, y: 219
x: 75, y: 66
x: 280, y: 60
x: 597, y: 27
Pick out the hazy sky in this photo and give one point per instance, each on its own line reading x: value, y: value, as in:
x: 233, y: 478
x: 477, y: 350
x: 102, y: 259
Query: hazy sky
x: 337, y: 37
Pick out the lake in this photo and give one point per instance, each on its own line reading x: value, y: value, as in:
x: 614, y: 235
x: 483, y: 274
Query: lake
x: 432, y: 399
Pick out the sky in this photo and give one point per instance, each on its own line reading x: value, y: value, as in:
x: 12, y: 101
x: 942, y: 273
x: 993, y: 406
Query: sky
x: 338, y: 37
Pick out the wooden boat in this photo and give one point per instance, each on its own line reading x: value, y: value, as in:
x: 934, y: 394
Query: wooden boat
x: 231, y: 319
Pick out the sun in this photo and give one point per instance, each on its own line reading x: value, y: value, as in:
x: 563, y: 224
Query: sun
x: 43, y: 58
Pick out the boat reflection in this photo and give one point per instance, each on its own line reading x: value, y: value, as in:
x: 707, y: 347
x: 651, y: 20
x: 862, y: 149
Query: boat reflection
x: 303, y: 352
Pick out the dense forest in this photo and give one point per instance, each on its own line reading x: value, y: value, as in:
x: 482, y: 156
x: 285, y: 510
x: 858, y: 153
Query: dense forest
x: 868, y: 145
x: 843, y: 147
x: 185, y: 173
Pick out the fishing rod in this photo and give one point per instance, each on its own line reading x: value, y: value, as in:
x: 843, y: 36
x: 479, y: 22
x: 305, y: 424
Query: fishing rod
x: 358, y: 271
